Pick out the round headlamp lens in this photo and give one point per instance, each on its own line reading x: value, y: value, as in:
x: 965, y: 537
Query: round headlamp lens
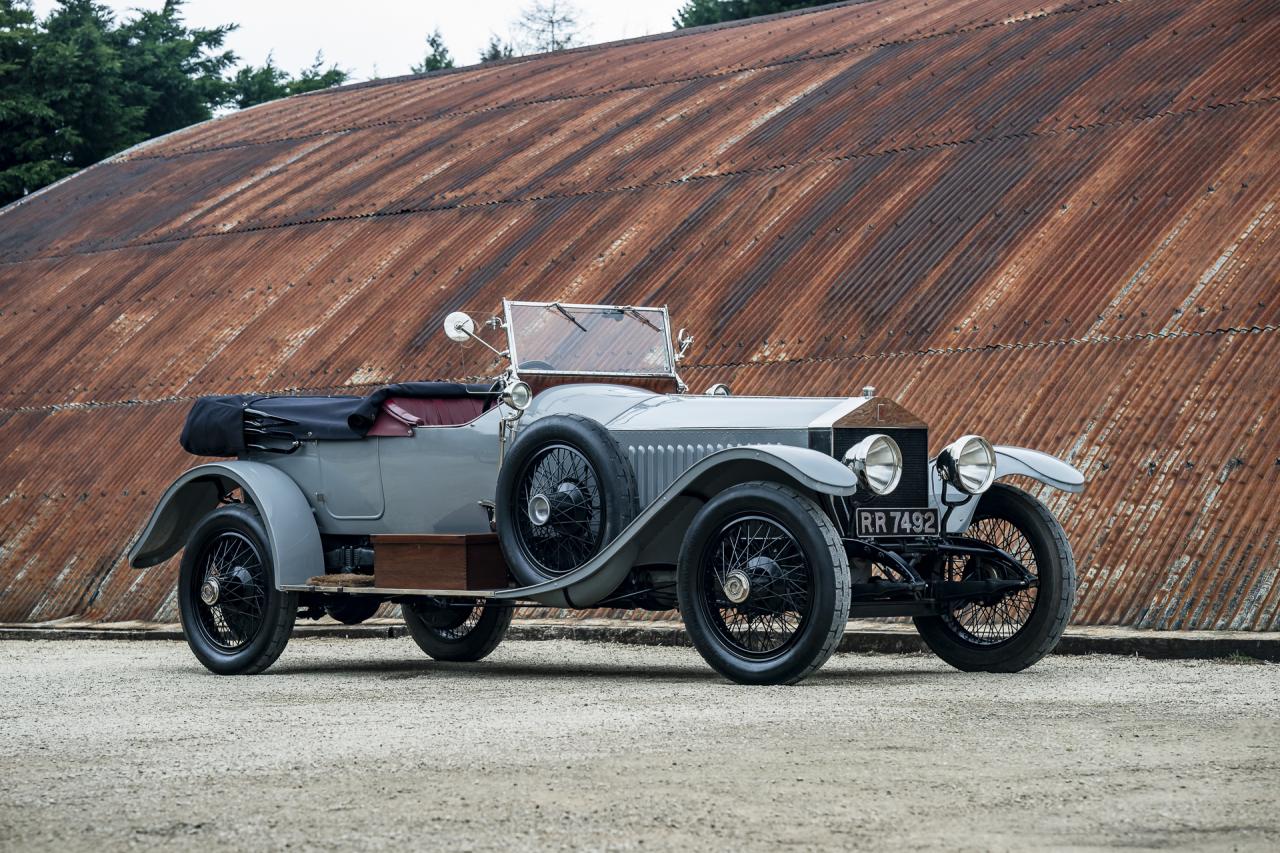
x: 518, y: 395
x: 877, y: 461
x: 973, y: 464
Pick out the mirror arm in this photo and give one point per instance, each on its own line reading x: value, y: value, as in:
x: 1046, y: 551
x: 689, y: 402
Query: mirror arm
x: 475, y: 337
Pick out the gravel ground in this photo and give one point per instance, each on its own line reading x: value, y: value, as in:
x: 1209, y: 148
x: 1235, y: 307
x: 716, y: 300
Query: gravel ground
x: 354, y: 744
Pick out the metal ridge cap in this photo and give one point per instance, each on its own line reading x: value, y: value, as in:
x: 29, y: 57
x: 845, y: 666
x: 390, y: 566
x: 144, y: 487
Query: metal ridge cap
x: 665, y: 35
x: 856, y: 47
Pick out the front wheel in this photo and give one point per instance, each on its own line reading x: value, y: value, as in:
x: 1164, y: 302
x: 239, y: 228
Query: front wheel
x: 763, y: 584
x: 1013, y: 631
x: 456, y: 630
x: 235, y: 620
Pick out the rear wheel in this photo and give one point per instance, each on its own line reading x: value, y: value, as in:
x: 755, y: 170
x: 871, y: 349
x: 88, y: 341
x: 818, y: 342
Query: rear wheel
x: 1013, y: 631
x: 455, y: 630
x: 233, y: 617
x: 763, y: 584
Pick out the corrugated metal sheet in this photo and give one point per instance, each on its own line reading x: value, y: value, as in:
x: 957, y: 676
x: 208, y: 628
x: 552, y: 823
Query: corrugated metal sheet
x: 1051, y: 224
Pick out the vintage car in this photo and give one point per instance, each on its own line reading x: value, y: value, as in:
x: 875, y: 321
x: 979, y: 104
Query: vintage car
x: 585, y: 476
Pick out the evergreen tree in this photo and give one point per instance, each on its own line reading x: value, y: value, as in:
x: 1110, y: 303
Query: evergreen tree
x: 30, y: 155
x: 695, y: 13
x: 316, y: 77
x: 77, y: 87
x: 268, y: 82
x: 437, y: 55
x: 256, y: 85
x: 497, y: 49
x: 174, y: 73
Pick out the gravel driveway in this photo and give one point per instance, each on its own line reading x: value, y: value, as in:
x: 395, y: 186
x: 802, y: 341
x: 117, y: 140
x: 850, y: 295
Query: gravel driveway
x: 352, y: 744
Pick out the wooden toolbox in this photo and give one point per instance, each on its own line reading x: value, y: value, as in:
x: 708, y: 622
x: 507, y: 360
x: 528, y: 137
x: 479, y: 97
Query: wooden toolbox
x: 443, y: 562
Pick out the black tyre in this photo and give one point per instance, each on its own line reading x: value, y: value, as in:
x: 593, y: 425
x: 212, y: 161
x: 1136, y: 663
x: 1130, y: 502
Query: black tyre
x: 351, y: 609
x: 1013, y: 632
x: 564, y: 492
x: 235, y: 620
x: 763, y: 584
x: 454, y: 630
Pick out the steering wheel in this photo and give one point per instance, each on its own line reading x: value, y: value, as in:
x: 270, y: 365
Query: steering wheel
x: 536, y: 365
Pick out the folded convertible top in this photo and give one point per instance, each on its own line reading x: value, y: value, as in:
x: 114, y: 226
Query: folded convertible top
x: 232, y: 424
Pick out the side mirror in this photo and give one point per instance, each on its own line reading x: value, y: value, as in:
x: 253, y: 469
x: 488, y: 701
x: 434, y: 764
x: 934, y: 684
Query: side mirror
x: 459, y: 326
x: 718, y: 390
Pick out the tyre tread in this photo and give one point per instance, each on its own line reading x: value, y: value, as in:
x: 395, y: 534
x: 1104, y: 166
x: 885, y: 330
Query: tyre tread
x: 843, y: 590
x: 1014, y: 657
x: 620, y: 488
x: 286, y: 603
x: 460, y: 650
x: 1067, y: 595
x: 822, y: 646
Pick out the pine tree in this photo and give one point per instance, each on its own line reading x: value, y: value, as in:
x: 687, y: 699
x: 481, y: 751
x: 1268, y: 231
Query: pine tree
x: 437, y: 55
x: 696, y: 13
x: 30, y: 155
x: 78, y: 87
x: 268, y: 82
x: 497, y: 49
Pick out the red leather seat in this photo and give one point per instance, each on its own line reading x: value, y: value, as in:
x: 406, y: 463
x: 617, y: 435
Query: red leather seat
x: 399, y: 415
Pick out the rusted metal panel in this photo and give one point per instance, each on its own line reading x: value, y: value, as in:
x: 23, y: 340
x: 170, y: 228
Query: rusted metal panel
x: 1055, y: 225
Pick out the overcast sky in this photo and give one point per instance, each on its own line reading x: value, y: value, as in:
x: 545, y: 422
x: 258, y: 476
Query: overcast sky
x: 387, y: 36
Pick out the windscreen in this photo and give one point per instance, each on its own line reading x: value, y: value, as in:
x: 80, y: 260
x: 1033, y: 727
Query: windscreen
x: 559, y: 338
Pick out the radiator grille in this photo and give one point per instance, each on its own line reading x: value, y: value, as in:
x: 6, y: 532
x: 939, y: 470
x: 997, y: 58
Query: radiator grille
x: 912, y: 490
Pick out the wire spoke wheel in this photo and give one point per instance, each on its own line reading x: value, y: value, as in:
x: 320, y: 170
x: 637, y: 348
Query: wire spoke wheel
x: 1005, y: 631
x: 230, y: 591
x: 560, y: 509
x: 452, y: 622
x: 456, y: 629
x: 989, y: 622
x: 756, y: 587
x: 564, y: 492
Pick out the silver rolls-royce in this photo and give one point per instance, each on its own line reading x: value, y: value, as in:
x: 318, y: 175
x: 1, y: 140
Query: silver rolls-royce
x: 586, y: 475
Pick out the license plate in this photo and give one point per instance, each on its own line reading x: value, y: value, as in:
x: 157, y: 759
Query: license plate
x: 896, y: 522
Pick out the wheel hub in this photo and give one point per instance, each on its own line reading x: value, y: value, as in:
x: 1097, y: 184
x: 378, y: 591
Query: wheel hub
x: 539, y: 509
x: 737, y: 586
x: 210, y: 591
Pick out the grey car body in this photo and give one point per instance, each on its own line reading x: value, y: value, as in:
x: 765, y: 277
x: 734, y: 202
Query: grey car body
x: 682, y: 449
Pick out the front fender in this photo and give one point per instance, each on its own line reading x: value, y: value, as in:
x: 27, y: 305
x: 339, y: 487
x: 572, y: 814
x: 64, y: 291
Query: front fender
x: 666, y: 519
x: 1049, y: 470
x: 1010, y: 462
x: 295, y: 539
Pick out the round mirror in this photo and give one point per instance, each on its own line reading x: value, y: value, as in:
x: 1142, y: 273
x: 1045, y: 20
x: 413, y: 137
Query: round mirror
x: 459, y: 327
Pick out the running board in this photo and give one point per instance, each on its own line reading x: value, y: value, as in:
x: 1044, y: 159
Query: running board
x: 386, y: 591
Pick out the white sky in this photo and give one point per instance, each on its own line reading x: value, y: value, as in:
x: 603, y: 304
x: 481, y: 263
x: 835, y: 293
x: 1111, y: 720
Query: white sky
x: 387, y: 36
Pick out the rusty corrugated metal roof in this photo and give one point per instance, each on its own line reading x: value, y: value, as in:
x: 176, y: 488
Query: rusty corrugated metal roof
x: 1052, y: 224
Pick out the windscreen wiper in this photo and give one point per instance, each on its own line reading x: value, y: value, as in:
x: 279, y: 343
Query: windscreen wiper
x: 572, y: 319
x: 627, y: 309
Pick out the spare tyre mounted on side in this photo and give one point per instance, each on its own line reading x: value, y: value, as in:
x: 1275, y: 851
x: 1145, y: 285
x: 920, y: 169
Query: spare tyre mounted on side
x: 565, y: 492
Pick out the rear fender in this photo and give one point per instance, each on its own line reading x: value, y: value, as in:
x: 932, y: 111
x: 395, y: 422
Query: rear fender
x: 655, y: 535
x: 291, y: 527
